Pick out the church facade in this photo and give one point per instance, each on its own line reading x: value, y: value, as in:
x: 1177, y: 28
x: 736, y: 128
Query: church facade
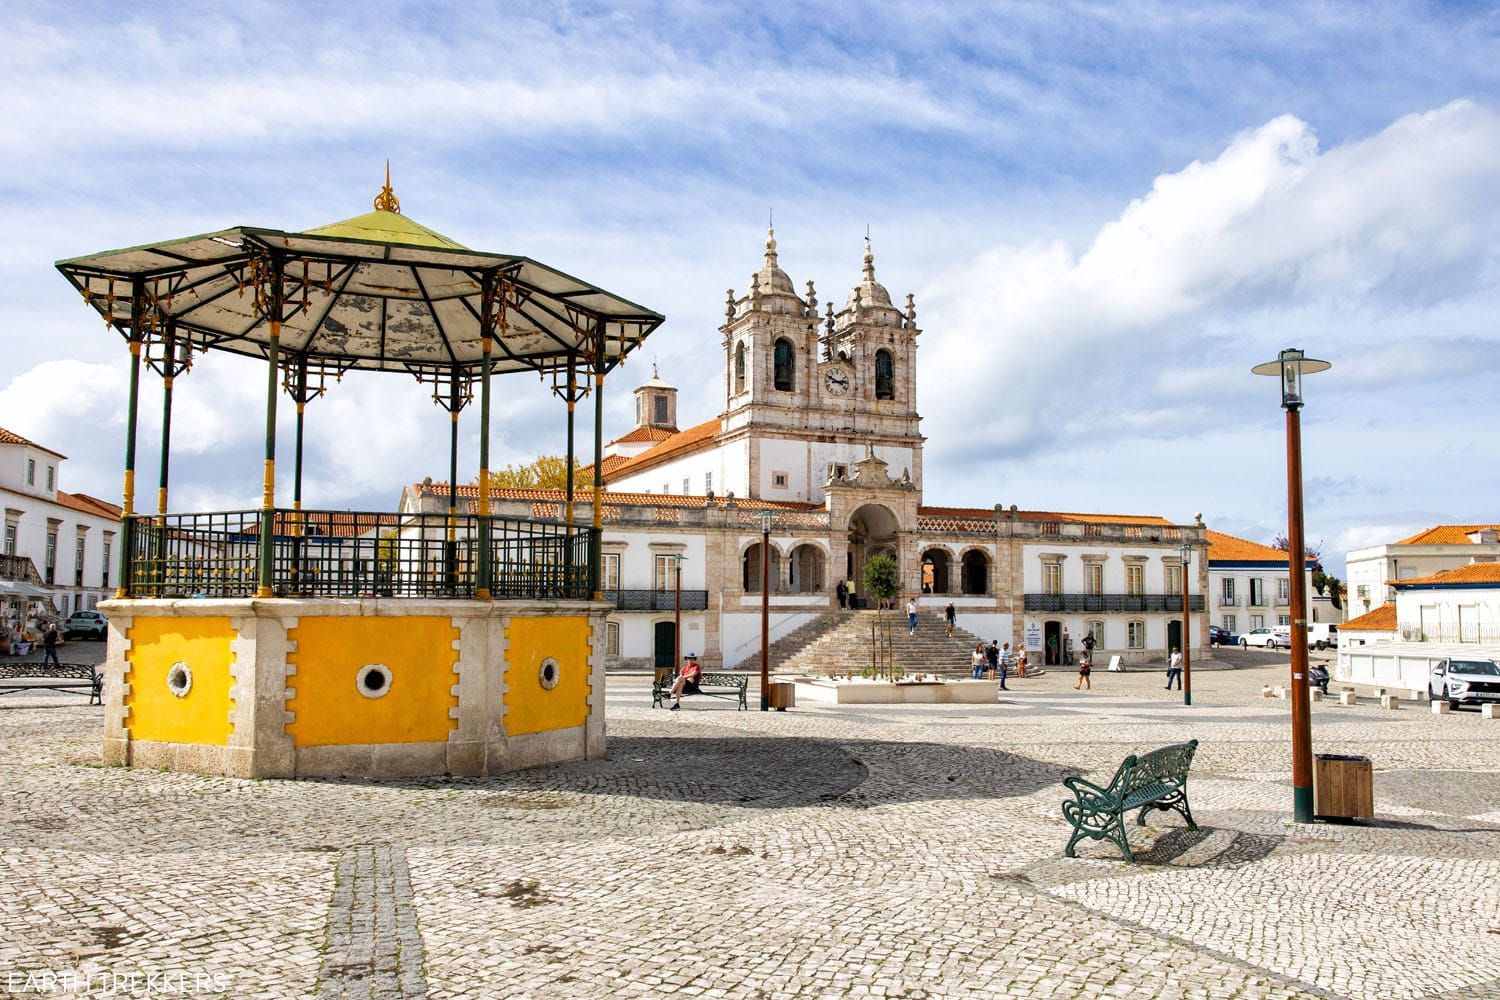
x: 820, y: 429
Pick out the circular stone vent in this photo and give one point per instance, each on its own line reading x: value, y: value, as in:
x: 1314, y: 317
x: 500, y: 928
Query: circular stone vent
x: 373, y: 680
x: 550, y: 672
x: 180, y: 679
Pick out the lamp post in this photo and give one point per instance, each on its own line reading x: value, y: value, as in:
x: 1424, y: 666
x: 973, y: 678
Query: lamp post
x: 1289, y: 366
x: 765, y: 610
x: 1187, y: 661
x: 676, y: 610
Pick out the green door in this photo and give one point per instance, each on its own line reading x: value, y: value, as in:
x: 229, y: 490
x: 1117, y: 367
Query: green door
x: 665, y: 637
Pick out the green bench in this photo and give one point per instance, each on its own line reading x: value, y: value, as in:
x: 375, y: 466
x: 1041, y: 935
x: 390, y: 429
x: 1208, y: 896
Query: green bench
x: 714, y: 684
x: 79, y: 678
x: 1157, y: 780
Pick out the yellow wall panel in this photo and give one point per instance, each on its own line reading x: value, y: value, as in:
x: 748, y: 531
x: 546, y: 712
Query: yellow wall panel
x: 153, y: 711
x: 529, y: 706
x: 331, y: 710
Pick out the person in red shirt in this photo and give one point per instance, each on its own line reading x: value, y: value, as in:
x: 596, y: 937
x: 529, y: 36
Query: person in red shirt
x: 687, y: 680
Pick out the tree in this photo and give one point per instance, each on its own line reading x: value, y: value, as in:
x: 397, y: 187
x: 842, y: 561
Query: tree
x: 1312, y: 553
x: 547, y: 472
x: 882, y: 579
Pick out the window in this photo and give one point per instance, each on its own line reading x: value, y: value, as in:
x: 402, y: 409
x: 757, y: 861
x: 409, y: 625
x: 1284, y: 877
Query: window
x: 708, y: 482
x: 666, y: 489
x: 1283, y: 619
x: 885, y: 375
x: 1135, y: 579
x: 78, y: 562
x: 1096, y: 581
x: 1229, y: 623
x: 1052, y: 578
x: 609, y: 571
x: 31, y: 472
x: 1136, y: 633
x: 778, y: 480
x: 1228, y: 590
x: 659, y: 403
x: 1283, y: 590
x: 686, y: 480
x: 1172, y: 572
x: 51, y: 555
x: 1096, y: 629
x: 782, y: 367
x: 104, y: 582
x: 739, y: 368
x: 612, y: 638
x: 1363, y: 592
x: 1257, y: 592
x: 51, y: 478
x: 1257, y: 621
x: 665, y: 578
x: 10, y: 539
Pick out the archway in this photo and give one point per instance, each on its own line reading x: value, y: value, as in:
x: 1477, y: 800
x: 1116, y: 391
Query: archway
x: 872, y: 529
x: 935, y: 571
x: 976, y: 572
x: 806, y: 570
x: 750, y: 570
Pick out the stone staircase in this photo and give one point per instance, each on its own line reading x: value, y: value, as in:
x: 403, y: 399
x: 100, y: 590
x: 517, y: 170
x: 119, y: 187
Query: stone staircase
x: 841, y: 641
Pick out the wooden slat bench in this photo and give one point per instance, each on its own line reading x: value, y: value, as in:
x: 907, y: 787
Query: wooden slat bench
x: 78, y: 678
x: 715, y: 684
x: 1157, y: 780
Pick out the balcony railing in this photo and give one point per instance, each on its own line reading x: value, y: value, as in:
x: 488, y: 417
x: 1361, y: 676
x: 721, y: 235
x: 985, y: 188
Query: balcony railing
x: 317, y: 553
x: 1228, y: 602
x: 656, y: 600
x: 1106, y: 603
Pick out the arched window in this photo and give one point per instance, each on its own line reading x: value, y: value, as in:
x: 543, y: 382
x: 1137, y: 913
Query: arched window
x: 975, y: 570
x: 739, y: 368
x: 783, y: 366
x: 885, y: 375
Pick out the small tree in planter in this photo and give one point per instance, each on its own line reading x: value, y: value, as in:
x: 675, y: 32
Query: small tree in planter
x: 882, y: 582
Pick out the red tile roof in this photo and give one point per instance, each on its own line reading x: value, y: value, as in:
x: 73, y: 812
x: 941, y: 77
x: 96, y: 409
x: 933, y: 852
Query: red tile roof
x: 88, y: 505
x: 1228, y: 548
x: 1473, y: 573
x: 11, y: 437
x: 584, y: 494
x: 682, y: 443
x: 645, y: 434
x: 1447, y: 534
x: 1382, y: 619
x: 1049, y: 515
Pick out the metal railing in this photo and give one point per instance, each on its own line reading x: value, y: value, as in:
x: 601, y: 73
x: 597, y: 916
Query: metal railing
x: 1082, y: 603
x: 319, y: 553
x: 656, y: 600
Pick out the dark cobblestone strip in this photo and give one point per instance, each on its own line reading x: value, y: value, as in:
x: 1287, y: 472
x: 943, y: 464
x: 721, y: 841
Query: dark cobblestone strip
x: 374, y: 949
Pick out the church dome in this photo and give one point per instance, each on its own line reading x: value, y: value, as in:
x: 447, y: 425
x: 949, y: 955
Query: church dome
x: 869, y: 293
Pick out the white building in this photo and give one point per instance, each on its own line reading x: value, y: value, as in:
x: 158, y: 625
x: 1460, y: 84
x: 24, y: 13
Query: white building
x: 1250, y: 587
x: 820, y: 427
x: 60, y: 544
x: 1374, y: 571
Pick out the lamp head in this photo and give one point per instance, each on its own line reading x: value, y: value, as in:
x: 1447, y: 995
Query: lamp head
x: 1290, y: 365
x: 766, y: 517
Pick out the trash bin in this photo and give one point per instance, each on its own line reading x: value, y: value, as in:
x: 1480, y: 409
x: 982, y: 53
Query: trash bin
x: 782, y: 695
x: 1343, y: 786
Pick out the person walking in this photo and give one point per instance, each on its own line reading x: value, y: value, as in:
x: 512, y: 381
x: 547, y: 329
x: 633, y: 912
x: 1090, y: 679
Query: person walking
x: 1174, y: 669
x: 911, y: 616
x: 1089, y: 642
x: 950, y: 615
x: 977, y: 662
x: 50, y: 639
x: 1003, y: 663
x: 992, y: 657
x: 1084, y: 669
x: 843, y: 595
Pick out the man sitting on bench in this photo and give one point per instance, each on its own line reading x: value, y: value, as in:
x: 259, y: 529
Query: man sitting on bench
x: 687, y: 680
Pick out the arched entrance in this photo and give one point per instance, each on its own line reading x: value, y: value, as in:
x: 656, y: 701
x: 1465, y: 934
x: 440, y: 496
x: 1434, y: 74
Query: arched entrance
x: 873, y: 529
x: 806, y: 570
x: 750, y: 570
x: 1052, y: 642
x: 663, y: 638
x: 935, y: 571
x: 1174, y: 634
x: 976, y: 572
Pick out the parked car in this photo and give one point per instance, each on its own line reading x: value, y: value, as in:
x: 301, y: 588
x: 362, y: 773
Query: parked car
x: 1221, y: 637
x: 89, y: 624
x: 1265, y: 638
x: 1465, y: 682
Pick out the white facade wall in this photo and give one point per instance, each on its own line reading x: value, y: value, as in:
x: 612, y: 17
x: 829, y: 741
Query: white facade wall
x: 740, y: 632
x: 1239, y: 616
x: 1371, y: 568
x: 1462, y: 615
x: 728, y: 465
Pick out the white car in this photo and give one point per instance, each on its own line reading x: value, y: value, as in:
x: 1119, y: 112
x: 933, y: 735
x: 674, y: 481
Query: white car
x: 1266, y: 638
x: 1465, y: 681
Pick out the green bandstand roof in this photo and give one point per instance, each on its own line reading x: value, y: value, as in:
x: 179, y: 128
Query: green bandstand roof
x: 375, y: 292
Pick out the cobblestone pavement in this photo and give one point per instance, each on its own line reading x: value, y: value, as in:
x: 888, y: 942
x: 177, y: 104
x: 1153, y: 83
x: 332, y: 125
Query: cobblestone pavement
x: 870, y: 851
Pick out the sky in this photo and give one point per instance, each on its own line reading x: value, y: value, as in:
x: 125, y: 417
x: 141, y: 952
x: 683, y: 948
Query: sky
x: 1107, y: 213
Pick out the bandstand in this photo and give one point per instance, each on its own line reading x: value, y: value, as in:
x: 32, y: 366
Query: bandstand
x: 285, y: 641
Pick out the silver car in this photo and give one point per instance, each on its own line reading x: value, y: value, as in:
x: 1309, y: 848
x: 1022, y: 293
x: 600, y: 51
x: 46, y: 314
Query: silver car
x: 1459, y: 682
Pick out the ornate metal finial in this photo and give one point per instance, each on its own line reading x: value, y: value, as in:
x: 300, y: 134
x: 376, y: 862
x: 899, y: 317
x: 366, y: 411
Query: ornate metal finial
x: 654, y: 375
x: 386, y: 200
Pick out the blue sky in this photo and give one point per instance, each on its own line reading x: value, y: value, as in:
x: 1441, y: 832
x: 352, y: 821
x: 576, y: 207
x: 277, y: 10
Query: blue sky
x: 1107, y: 212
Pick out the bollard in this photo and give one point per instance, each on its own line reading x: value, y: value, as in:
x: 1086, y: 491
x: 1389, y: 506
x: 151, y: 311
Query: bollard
x: 1348, y: 698
x: 1265, y: 691
x: 1317, y: 694
x: 1280, y: 692
x: 1440, y: 707
x: 1390, y: 701
x: 1490, y: 711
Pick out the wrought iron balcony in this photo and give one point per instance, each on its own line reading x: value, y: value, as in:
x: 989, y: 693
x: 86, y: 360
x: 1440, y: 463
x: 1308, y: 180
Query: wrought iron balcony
x: 1112, y: 603
x: 656, y: 600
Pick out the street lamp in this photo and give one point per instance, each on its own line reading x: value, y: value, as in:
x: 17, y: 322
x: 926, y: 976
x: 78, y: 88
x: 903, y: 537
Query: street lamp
x: 677, y: 611
x: 765, y: 610
x: 1289, y: 366
x: 1186, y: 551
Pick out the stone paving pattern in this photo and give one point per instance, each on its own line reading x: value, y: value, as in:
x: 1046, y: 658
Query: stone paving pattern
x: 862, y: 851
